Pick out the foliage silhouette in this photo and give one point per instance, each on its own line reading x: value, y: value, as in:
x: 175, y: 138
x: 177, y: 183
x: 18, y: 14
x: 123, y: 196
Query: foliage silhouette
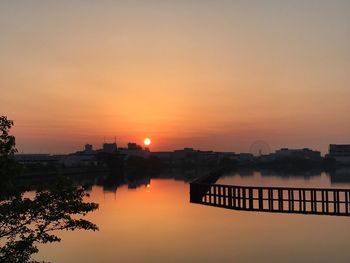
x: 8, y: 167
x: 27, y: 221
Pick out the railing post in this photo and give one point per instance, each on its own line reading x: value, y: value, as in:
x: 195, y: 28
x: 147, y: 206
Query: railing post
x: 244, y: 197
x: 291, y: 200
x: 194, y: 195
x: 261, y: 201
x: 347, y: 202
x: 230, y: 196
x: 322, y: 200
x: 335, y: 201
x: 217, y: 196
x: 315, y: 199
x: 227, y: 196
x: 338, y: 204
x: 270, y: 199
x: 280, y: 199
x: 251, y: 196
x: 234, y: 196
x: 239, y: 197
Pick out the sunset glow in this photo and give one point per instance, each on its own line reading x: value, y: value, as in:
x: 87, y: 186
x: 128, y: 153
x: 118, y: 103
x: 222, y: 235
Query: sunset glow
x: 147, y: 141
x: 206, y: 75
x: 190, y: 131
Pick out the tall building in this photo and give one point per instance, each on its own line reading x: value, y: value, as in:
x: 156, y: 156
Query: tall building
x: 109, y: 147
x: 340, y: 152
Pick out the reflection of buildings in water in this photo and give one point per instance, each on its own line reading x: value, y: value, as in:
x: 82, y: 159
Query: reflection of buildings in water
x: 87, y: 187
x: 270, y: 173
x: 242, y: 172
x: 340, y: 175
x: 304, y: 174
x: 246, y: 172
x: 112, y: 182
x: 179, y: 175
x: 185, y: 176
x: 144, y: 181
x: 110, y: 188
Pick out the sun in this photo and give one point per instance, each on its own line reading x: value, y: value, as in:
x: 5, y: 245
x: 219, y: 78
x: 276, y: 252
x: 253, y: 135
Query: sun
x: 147, y: 141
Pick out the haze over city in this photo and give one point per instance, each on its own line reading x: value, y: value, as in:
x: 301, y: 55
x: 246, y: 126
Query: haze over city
x: 192, y: 131
x: 210, y: 75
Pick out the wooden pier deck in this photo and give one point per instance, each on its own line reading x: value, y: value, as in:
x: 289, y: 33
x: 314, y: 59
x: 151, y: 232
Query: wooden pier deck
x: 319, y: 201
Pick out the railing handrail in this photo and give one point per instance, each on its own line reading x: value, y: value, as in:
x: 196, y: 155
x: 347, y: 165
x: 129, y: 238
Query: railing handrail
x: 273, y: 187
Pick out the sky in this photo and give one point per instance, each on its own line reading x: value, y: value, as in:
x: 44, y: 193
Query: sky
x: 214, y: 75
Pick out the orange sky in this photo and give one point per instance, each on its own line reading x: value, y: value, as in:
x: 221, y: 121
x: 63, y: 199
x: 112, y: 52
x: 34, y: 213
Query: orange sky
x: 211, y: 75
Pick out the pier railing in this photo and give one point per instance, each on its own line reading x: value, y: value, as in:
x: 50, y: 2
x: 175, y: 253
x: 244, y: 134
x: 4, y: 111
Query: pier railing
x: 273, y: 199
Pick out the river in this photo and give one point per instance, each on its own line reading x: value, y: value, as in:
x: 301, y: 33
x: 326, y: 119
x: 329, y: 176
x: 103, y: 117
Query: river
x: 153, y: 221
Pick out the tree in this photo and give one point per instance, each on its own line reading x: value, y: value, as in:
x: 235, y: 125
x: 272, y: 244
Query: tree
x: 7, y: 142
x: 8, y: 167
x: 25, y: 222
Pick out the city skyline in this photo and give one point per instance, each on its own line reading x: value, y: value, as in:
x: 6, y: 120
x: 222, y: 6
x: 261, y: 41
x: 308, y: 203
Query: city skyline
x: 205, y: 75
x: 191, y: 131
x: 258, y: 148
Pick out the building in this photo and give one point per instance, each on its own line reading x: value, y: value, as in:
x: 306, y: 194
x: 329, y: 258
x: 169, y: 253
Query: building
x: 43, y: 159
x: 184, y: 153
x: 88, y: 149
x: 109, y: 147
x: 134, y: 146
x: 298, y: 153
x: 340, y: 152
x: 134, y: 150
x: 163, y: 155
x: 243, y: 158
x: 79, y: 160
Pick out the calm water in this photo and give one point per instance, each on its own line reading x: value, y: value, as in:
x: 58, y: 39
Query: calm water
x: 156, y: 223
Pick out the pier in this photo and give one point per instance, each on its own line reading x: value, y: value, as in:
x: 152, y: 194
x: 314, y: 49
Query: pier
x: 318, y: 201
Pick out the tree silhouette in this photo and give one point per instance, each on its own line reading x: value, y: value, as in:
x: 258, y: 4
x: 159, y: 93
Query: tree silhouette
x: 26, y: 222
x: 8, y: 167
